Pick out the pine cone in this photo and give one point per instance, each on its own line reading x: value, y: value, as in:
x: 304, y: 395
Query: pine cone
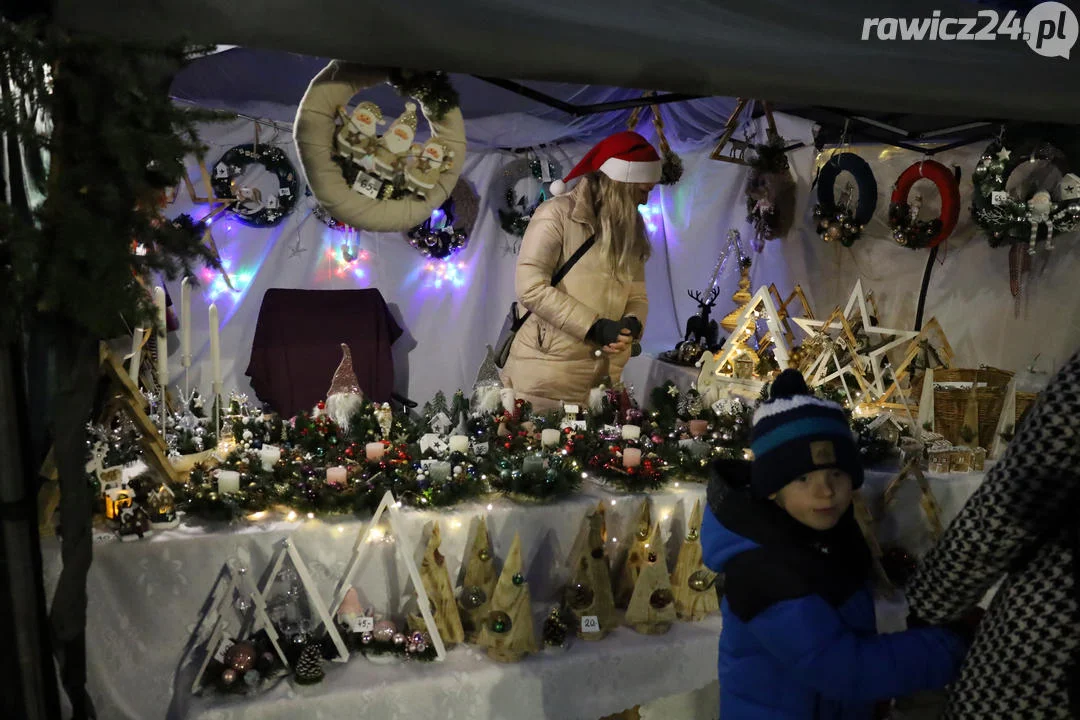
x: 309, y: 666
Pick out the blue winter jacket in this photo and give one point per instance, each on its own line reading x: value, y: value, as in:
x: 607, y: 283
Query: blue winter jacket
x: 790, y: 652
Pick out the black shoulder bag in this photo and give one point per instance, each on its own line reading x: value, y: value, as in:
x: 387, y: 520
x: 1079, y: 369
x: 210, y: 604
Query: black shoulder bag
x: 513, y: 322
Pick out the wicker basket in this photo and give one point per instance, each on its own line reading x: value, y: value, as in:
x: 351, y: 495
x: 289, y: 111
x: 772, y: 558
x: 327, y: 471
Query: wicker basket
x: 1024, y: 401
x: 950, y: 404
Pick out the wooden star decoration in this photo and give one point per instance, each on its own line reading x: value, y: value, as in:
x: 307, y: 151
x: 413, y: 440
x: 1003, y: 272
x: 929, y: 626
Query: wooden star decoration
x: 867, y: 359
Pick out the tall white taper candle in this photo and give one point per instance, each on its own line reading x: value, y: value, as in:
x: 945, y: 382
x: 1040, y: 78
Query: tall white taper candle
x: 162, y: 341
x: 185, y: 322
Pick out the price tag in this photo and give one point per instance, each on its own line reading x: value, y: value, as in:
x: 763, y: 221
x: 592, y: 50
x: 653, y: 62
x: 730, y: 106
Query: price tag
x: 581, y: 425
x: 999, y: 197
x: 367, y: 624
x: 480, y: 448
x: 367, y: 185
x: 223, y: 648
x: 590, y: 624
x: 571, y: 409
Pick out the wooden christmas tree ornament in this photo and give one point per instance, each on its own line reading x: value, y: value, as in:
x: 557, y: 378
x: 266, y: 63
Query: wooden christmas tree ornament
x: 636, y: 558
x: 589, y: 596
x: 692, y: 582
x: 440, y: 592
x: 652, y: 606
x: 508, y: 633
x: 479, y: 583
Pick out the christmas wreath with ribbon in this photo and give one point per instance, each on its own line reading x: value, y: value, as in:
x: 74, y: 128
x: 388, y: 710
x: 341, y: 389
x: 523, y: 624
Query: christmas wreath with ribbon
x: 517, y: 206
x: 379, y: 183
x: 1009, y: 219
x: 907, y: 229
x: 447, y: 230
x: 249, y: 206
x: 836, y: 221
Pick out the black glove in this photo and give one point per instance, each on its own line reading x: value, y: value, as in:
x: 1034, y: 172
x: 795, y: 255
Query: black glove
x: 604, y: 331
x: 633, y: 325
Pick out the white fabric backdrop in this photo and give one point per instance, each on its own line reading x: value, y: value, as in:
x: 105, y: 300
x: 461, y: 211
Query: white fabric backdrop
x: 447, y: 328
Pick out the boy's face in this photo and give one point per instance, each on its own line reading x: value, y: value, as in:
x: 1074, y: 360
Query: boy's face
x: 818, y: 499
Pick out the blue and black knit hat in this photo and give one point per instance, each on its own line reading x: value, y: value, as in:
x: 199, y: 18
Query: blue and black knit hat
x: 796, y: 433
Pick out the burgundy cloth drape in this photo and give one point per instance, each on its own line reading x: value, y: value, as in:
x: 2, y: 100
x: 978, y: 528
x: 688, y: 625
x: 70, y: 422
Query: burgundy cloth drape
x: 297, y: 345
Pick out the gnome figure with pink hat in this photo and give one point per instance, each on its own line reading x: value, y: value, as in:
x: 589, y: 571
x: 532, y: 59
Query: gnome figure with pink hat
x: 581, y: 276
x: 344, y: 397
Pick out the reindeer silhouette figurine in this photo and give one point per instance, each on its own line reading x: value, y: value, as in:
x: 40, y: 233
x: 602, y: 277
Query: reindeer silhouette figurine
x: 699, y: 328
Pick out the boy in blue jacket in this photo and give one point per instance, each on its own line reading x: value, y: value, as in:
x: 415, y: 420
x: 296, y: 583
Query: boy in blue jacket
x: 800, y: 638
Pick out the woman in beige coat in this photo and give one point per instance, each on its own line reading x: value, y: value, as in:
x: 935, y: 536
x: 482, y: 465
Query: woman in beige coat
x: 580, y: 331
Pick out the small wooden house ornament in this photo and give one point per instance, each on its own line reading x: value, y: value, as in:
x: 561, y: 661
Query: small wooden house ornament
x: 589, y: 595
x: 692, y: 582
x: 479, y: 583
x: 509, y: 634
x: 652, y: 606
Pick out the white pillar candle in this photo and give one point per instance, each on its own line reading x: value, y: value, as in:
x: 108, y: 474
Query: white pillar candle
x: 459, y: 444
x: 136, y: 355
x: 185, y: 322
x: 631, y: 432
x: 162, y: 349
x: 228, y: 481
x: 269, y: 456
x: 508, y: 398
x: 532, y: 465
x: 631, y: 457
x: 374, y: 450
x: 215, y: 350
x: 336, y: 475
x: 439, y: 471
x: 550, y: 437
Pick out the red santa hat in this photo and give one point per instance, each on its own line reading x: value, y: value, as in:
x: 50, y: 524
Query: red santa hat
x: 624, y: 157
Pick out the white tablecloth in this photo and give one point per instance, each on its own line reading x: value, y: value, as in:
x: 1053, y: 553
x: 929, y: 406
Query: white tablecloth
x: 146, y: 597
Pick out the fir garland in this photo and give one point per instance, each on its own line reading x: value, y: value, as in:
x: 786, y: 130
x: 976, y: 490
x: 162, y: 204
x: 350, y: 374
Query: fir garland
x: 117, y: 145
x: 432, y: 90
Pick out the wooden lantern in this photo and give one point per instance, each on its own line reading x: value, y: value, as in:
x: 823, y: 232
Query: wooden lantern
x: 652, y: 605
x: 508, y: 633
x: 692, y: 582
x: 589, y: 595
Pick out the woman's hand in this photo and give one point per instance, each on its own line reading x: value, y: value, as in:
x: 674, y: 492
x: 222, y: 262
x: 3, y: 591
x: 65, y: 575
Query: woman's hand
x: 621, y: 345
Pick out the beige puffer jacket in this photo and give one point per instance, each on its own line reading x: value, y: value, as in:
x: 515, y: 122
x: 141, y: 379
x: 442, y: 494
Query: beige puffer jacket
x: 551, y: 361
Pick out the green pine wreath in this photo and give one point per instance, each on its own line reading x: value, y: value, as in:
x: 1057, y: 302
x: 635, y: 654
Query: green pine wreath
x: 1009, y: 220
x: 271, y: 211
